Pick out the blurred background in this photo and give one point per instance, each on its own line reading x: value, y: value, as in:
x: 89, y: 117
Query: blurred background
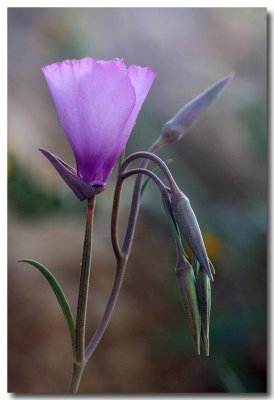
x: 221, y: 165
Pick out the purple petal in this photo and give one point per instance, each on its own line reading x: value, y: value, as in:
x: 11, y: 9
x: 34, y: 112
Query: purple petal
x: 94, y: 100
x: 141, y: 79
x: 82, y: 189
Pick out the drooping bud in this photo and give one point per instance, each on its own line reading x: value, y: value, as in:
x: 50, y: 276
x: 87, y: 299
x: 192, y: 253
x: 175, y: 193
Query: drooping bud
x: 187, y: 116
x: 187, y: 287
x: 189, y: 228
x: 203, y: 288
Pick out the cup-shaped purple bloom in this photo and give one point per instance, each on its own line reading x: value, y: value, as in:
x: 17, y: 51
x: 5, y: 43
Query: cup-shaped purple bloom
x: 97, y: 103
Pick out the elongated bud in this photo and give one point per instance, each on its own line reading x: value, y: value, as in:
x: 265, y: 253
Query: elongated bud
x: 203, y: 288
x: 187, y: 287
x: 187, y: 116
x: 189, y: 228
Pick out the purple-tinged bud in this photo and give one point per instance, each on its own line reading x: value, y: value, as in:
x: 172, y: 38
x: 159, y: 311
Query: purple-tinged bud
x: 189, y: 228
x: 187, y: 287
x: 187, y: 116
x: 203, y: 289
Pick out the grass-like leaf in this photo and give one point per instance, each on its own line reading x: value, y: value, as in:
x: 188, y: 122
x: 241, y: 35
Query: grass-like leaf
x: 59, y: 295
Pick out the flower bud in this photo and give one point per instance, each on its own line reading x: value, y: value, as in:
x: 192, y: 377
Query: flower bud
x: 189, y: 228
x: 203, y: 289
x: 187, y: 288
x: 187, y: 116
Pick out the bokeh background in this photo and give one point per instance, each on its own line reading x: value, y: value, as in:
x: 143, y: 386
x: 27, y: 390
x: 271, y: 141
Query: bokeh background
x: 221, y: 165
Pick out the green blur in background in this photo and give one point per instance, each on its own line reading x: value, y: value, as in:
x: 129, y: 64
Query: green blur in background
x: 221, y: 165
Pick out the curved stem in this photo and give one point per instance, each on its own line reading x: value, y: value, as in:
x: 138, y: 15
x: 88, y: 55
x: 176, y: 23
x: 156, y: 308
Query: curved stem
x: 135, y: 204
x: 114, y: 219
x: 151, y: 157
x: 121, y: 255
x: 144, y: 171
x: 134, y: 210
x: 84, y: 284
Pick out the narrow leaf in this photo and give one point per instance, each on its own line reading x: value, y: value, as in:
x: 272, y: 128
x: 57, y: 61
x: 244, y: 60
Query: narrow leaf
x: 59, y: 295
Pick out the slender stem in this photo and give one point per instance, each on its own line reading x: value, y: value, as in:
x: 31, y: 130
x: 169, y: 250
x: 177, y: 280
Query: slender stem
x: 121, y: 260
x: 76, y: 377
x: 121, y: 257
x: 114, y: 219
x: 151, y: 157
x: 133, y: 213
x: 135, y: 204
x: 121, y: 263
x: 84, y: 284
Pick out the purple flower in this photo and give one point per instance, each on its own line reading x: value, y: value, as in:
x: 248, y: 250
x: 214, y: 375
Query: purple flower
x: 97, y: 103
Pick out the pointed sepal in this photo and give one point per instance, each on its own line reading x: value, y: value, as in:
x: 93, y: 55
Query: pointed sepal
x: 203, y: 288
x: 187, y: 288
x: 81, y: 189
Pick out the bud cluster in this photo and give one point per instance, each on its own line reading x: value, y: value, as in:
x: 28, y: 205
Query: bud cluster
x: 193, y: 278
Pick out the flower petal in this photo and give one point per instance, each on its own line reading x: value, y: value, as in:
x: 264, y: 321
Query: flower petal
x: 141, y: 79
x: 94, y: 100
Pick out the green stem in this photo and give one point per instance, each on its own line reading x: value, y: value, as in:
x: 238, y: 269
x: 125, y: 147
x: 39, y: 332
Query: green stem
x: 84, y: 284
x: 114, y: 219
x: 121, y: 257
x: 76, y: 377
x: 120, y: 269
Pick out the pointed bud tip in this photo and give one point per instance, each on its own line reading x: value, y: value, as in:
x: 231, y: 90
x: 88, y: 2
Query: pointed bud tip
x: 227, y: 79
x: 218, y: 87
x: 231, y: 76
x: 197, y: 349
x: 44, y: 151
x: 206, y: 346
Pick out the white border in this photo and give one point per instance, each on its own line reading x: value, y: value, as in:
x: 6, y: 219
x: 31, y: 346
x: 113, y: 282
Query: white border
x: 3, y: 149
